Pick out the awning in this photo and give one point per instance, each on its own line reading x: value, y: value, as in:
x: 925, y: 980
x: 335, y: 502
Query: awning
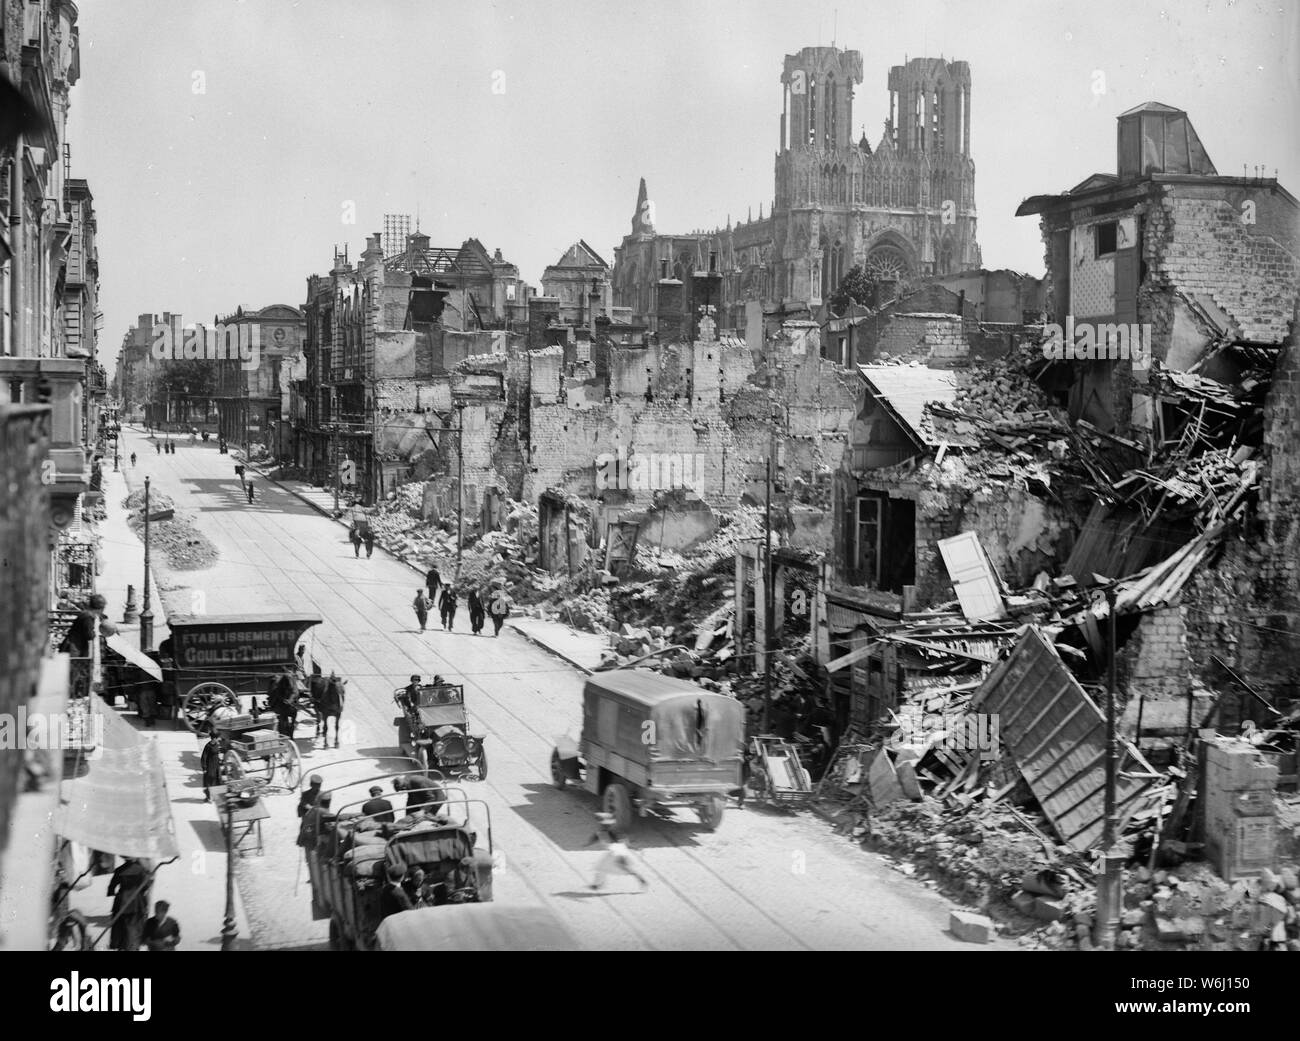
x: 136, y: 657
x: 119, y: 804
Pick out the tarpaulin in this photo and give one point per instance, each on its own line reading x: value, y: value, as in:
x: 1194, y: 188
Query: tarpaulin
x: 702, y: 726
x: 119, y: 802
x: 136, y: 657
x: 475, y: 927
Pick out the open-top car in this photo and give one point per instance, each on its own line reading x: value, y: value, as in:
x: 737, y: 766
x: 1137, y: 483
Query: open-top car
x: 434, y: 728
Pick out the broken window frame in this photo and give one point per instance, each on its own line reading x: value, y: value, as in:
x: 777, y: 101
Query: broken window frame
x: 870, y: 576
x: 1099, y: 250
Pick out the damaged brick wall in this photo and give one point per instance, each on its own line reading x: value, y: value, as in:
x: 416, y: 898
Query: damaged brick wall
x: 1155, y: 661
x: 1246, y: 610
x: 1022, y: 533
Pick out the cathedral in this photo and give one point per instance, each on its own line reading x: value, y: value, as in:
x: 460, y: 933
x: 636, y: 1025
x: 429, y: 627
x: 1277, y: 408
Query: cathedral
x: 904, y: 210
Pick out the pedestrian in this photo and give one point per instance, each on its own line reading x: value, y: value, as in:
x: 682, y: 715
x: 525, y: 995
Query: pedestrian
x: 133, y: 459
x: 422, y: 606
x: 85, y: 627
x: 250, y: 493
x: 498, y: 608
x: 447, y: 607
x: 476, y: 615
x: 210, y: 761
x: 239, y: 472
x: 354, y: 537
x: 161, y: 932
x: 146, y: 703
x: 157, y: 447
x: 129, y: 888
x: 433, y: 580
x: 617, y: 855
x: 377, y: 807
x: 368, y: 536
x: 308, y: 798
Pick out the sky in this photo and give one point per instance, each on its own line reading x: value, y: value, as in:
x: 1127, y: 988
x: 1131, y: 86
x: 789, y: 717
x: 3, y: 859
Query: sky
x: 231, y: 145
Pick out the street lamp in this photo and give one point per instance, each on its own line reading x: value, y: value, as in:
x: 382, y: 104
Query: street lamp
x: 229, y: 931
x: 146, y: 616
x: 1110, y: 879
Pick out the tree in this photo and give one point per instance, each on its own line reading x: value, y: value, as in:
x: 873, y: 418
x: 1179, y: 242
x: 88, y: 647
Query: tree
x: 857, y: 287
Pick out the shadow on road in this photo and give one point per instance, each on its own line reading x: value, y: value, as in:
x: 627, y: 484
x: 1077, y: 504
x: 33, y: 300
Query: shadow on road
x: 225, y: 494
x: 568, y: 819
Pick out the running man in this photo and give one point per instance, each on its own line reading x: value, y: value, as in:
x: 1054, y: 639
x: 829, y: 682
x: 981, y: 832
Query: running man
x: 617, y: 856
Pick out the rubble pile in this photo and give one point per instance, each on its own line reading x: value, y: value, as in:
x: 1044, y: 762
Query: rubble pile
x: 183, y: 546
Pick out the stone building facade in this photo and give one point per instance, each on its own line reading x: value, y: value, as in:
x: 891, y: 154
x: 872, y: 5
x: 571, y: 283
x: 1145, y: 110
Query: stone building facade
x: 904, y: 209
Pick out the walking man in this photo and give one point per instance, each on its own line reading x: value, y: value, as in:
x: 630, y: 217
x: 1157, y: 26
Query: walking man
x: 369, y: 538
x: 162, y: 932
x: 308, y: 798
x: 447, y: 607
x: 498, y: 608
x: 210, y: 761
x: 157, y: 445
x: 476, y: 616
x: 250, y: 493
x: 433, y: 580
x: 133, y: 459
x: 354, y: 537
x: 617, y: 856
x: 129, y: 888
x: 422, y: 606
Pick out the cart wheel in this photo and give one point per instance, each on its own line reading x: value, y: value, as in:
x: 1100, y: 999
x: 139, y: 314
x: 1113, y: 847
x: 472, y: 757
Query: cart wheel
x: 711, y: 811
x: 72, y: 933
x: 232, y: 766
x: 618, y: 803
x: 289, y: 761
x: 338, y: 938
x: 558, y: 777
x: 202, y: 699
x: 482, y: 764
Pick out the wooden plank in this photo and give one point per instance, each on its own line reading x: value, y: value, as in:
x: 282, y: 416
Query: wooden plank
x: 854, y: 656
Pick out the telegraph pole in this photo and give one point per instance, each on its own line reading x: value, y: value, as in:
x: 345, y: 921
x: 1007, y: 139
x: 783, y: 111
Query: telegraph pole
x: 334, y: 463
x: 1109, y: 890
x: 767, y: 602
x: 460, y: 483
x: 146, y: 616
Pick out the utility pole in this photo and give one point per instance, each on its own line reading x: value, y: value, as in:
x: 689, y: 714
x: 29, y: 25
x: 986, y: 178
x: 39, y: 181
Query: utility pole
x: 767, y: 603
x: 334, y: 440
x: 146, y: 616
x: 460, y: 483
x: 1109, y: 882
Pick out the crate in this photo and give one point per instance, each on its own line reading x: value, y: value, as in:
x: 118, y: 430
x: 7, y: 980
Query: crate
x: 251, y: 744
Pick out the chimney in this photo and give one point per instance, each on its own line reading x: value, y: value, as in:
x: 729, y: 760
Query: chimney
x: 663, y: 267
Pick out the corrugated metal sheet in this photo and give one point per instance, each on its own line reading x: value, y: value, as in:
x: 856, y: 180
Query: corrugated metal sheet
x: 1115, y: 544
x: 1057, y: 737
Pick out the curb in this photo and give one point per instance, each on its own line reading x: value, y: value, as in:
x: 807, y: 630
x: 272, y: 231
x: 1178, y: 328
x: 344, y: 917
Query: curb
x: 418, y: 570
x: 550, y: 650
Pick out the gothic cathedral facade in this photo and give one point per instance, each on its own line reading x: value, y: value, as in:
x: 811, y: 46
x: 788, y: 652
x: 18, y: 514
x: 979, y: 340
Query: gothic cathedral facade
x: 903, y: 210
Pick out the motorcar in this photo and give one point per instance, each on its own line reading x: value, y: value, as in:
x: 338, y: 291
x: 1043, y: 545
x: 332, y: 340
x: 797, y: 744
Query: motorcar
x: 434, y: 728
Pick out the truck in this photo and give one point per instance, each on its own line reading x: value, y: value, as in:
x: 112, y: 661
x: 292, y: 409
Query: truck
x: 650, y: 740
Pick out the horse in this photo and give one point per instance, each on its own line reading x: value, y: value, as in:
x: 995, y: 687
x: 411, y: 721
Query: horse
x: 328, y: 700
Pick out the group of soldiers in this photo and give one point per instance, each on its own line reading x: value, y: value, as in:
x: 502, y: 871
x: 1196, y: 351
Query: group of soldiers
x: 488, y: 601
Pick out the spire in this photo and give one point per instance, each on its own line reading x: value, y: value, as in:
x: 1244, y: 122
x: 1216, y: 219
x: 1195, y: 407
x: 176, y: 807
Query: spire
x: 643, y: 218
x: 760, y: 211
x: 750, y: 215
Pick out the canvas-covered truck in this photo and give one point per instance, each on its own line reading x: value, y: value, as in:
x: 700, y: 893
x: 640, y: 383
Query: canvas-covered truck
x: 653, y: 740
x: 353, y: 853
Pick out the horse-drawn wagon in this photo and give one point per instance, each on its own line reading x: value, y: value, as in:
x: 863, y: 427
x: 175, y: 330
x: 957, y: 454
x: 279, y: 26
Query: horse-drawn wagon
x: 230, y: 660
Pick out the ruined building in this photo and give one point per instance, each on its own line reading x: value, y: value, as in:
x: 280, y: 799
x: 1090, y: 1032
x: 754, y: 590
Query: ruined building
x: 903, y: 209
